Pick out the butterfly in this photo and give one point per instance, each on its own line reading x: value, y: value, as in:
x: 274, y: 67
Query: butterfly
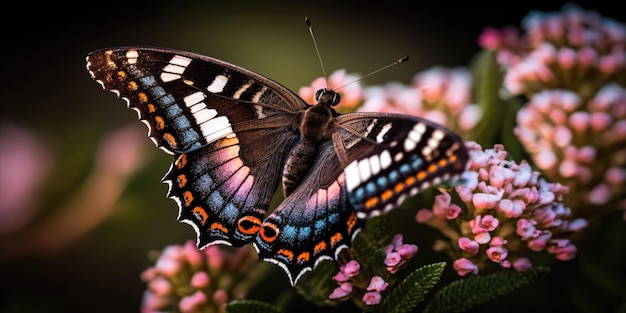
x: 236, y: 136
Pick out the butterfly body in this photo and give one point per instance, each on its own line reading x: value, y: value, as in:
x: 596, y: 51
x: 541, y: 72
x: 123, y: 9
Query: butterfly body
x: 236, y: 136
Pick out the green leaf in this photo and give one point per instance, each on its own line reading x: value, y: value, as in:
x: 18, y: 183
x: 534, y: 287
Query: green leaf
x: 411, y: 291
x: 487, y: 77
x: 315, y: 286
x: 251, y: 306
x: 472, y: 291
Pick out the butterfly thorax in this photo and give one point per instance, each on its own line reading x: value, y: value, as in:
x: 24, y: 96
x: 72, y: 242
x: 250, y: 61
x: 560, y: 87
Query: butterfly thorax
x: 316, y: 126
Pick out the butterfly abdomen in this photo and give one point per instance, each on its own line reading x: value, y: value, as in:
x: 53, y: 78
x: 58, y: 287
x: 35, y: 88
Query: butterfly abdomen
x: 315, y: 127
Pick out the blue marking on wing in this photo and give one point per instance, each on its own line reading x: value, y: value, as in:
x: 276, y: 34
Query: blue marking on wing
x: 148, y: 81
x: 173, y: 111
x: 304, y: 233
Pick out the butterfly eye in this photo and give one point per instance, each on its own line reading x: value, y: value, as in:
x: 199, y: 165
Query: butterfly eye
x: 319, y: 93
x: 327, y: 96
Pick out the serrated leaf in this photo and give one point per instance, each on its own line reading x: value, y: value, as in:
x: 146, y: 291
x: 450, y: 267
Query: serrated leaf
x: 472, y: 291
x: 251, y: 306
x: 411, y: 291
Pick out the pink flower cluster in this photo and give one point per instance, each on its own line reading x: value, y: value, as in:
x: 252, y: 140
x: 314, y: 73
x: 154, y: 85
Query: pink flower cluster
x: 580, y: 144
x: 185, y: 279
x: 439, y: 94
x: 352, y: 281
x: 509, y: 212
x: 571, y: 65
x: 398, y: 253
x: 573, y: 49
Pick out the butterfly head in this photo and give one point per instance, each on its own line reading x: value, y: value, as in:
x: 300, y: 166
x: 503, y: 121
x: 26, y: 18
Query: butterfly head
x: 327, y: 97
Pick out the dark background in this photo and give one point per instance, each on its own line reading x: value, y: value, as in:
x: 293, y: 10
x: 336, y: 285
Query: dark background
x: 45, y: 88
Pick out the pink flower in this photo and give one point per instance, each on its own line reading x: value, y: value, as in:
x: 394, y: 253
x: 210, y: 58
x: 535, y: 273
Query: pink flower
x: 343, y: 290
x: 522, y: 264
x: 392, y: 259
x: 377, y: 284
x: 351, y: 268
x: 192, y: 303
x: 468, y: 245
x: 464, y: 266
x: 372, y: 297
x: 497, y: 254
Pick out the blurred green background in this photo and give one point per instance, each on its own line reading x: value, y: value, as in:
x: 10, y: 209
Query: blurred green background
x: 72, y: 251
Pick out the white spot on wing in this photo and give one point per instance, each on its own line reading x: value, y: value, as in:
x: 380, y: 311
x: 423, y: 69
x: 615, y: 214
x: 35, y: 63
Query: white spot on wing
x: 364, y: 170
x: 216, y: 128
x: 375, y: 164
x: 180, y: 61
x: 385, y: 159
x: 131, y: 56
x: 168, y: 77
x: 218, y: 84
x: 352, y: 176
x: 383, y: 132
x: 194, y: 98
x: 203, y: 116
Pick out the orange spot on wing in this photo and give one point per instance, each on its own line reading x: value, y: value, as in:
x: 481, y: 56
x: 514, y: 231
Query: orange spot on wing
x: 182, y: 180
x: 188, y: 197
x: 351, y: 221
x: 371, y: 202
x: 199, y: 211
x: 386, y: 195
x: 303, y: 257
x: 249, y: 225
x: 121, y: 74
x: 142, y: 97
x: 336, y: 238
x: 410, y: 181
x: 220, y: 227
x: 182, y: 161
x: 269, y: 232
x: 286, y: 253
x: 453, y: 158
x: 171, y: 141
x: 421, y: 175
x: 151, y: 108
x: 432, y: 168
x: 399, y: 187
x: 132, y: 86
x: 442, y: 162
x: 160, y: 123
x: 319, y: 247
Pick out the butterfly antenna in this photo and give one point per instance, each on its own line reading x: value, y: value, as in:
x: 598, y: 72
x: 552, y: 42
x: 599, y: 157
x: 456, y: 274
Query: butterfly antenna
x: 319, y: 56
x: 402, y: 59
